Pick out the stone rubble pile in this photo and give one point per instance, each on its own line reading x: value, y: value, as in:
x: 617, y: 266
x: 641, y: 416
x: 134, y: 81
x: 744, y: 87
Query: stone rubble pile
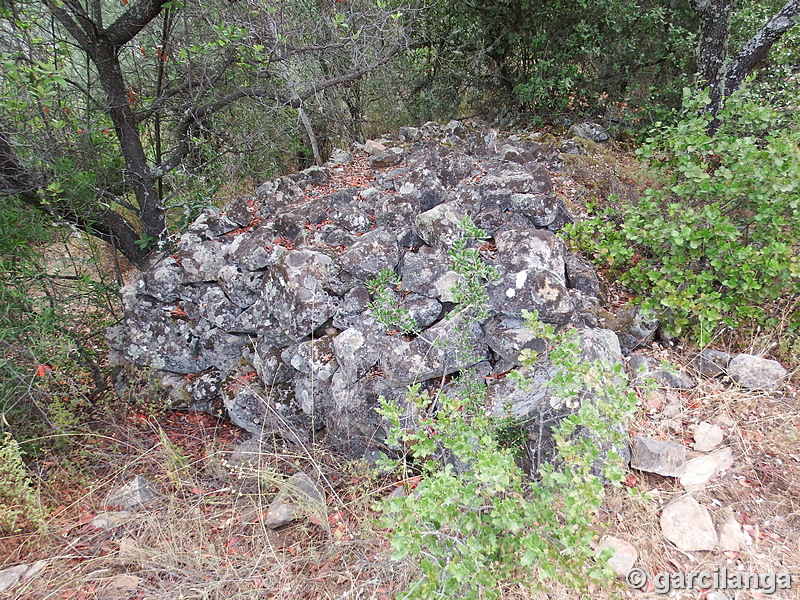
x: 265, y: 305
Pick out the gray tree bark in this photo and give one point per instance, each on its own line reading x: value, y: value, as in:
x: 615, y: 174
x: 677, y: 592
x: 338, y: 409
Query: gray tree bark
x: 722, y: 73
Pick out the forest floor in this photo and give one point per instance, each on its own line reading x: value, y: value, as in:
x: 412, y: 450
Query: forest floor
x: 204, y: 537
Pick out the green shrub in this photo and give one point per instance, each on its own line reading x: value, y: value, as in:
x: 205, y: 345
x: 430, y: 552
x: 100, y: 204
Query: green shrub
x: 718, y: 242
x: 475, y: 521
x: 54, y: 303
x: 386, y: 306
x: 18, y: 501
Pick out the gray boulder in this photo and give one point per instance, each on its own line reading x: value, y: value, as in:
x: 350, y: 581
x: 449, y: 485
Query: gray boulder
x: 756, y: 373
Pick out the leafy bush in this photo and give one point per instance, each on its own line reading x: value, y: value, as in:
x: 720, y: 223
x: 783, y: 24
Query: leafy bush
x: 470, y: 288
x: 718, y: 242
x: 385, y: 305
x: 18, y: 501
x: 475, y: 521
x: 52, y: 310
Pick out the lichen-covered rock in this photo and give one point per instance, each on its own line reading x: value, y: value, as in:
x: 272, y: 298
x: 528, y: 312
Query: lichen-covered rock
x: 315, y: 175
x: 242, y: 288
x: 439, y: 226
x: 387, y: 158
x: 373, y: 252
x: 397, y: 211
x: 276, y: 194
x: 211, y: 224
x: 294, y: 300
x: 338, y: 158
x: 541, y: 209
x: 442, y: 349
x: 531, y: 265
x: 220, y: 349
x: 351, y: 420
x: 316, y: 357
x: 352, y: 305
x: 269, y: 365
x: 508, y: 337
x: 507, y: 397
x: 581, y: 276
x: 202, y: 261
x: 257, y: 250
x: 410, y: 134
x: 241, y: 211
x: 265, y: 413
x: 429, y: 273
x: 425, y: 311
x: 533, y: 154
x: 154, y: 337
x: 204, y: 390
x: 590, y: 131
x: 356, y: 352
x: 343, y: 209
x: 164, y: 281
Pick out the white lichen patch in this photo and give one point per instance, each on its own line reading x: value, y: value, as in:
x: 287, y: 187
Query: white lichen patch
x: 549, y: 292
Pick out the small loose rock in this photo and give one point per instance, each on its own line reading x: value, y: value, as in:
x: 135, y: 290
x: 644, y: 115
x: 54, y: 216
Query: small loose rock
x: 655, y: 456
x: 756, y: 373
x: 688, y: 525
x: 299, y: 495
x: 707, y: 437
x: 624, y: 557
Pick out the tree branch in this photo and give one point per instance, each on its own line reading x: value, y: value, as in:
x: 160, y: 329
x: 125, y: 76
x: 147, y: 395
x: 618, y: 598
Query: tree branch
x: 188, y: 83
x: 133, y: 20
x: 314, y: 89
x: 74, y: 29
x: 106, y: 224
x: 198, y: 114
x: 759, y: 45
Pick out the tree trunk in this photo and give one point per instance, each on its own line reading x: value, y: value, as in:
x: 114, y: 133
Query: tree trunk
x: 757, y: 47
x: 102, y: 45
x: 104, y: 223
x: 151, y: 213
x: 712, y: 51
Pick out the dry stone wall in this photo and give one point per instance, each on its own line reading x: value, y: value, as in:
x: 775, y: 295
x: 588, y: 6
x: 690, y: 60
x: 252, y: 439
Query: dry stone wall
x: 265, y: 304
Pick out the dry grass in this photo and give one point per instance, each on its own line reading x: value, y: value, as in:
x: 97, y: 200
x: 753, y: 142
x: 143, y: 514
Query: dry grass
x: 205, y: 537
x: 762, y: 489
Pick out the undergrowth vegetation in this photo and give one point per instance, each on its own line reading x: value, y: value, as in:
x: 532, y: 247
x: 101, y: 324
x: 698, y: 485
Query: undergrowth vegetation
x: 56, y: 299
x: 716, y: 244
x: 475, y: 522
x: 18, y: 500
